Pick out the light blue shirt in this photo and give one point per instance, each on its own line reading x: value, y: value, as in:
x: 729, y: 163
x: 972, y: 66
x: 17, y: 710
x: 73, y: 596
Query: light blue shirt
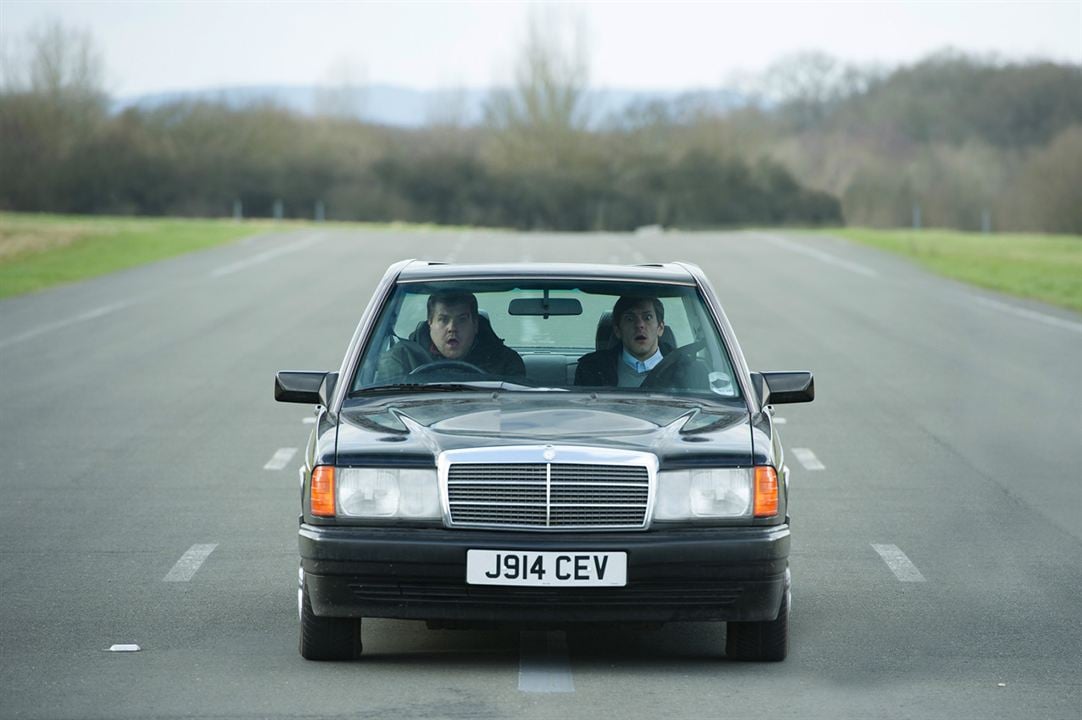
x: 630, y: 371
x: 641, y: 366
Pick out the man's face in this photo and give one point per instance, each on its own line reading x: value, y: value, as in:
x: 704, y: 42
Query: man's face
x: 452, y: 329
x: 639, y: 329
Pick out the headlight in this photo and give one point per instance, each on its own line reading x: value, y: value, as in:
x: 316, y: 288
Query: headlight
x: 388, y: 493
x: 704, y: 493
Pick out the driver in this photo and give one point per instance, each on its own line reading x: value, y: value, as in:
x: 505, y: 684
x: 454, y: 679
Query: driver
x: 455, y: 331
x: 636, y: 360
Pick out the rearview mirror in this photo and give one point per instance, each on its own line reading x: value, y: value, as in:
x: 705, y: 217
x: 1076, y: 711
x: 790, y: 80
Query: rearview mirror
x: 545, y: 306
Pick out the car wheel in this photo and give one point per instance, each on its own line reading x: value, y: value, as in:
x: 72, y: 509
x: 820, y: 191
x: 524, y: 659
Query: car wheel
x: 328, y: 638
x: 766, y: 641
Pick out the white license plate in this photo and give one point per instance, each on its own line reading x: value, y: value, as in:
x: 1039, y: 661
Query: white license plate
x: 546, y: 569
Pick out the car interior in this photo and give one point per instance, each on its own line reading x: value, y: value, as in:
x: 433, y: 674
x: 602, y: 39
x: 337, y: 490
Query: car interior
x: 550, y: 333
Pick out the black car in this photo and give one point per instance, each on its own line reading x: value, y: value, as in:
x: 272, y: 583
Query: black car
x: 545, y: 444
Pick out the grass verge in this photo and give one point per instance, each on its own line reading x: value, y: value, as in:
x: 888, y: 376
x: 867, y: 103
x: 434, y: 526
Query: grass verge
x: 38, y: 251
x: 1040, y: 267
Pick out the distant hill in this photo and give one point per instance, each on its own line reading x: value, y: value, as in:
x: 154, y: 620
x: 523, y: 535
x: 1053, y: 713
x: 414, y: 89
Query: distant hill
x: 406, y: 107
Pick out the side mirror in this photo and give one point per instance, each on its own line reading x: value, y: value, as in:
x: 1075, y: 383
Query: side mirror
x: 778, y: 388
x: 326, y: 389
x: 302, y: 387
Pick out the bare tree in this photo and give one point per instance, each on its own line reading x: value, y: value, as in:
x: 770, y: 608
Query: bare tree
x: 551, y: 77
x: 64, y: 61
x: 343, y: 94
x: 541, y: 122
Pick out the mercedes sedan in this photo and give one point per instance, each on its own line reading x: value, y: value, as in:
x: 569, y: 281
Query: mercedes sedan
x: 545, y: 445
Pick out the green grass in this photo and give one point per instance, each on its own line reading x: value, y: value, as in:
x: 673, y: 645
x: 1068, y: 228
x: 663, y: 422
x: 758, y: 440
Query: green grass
x: 38, y: 251
x: 1040, y: 267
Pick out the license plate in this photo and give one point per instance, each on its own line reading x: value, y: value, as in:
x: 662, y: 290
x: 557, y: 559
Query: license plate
x: 546, y: 569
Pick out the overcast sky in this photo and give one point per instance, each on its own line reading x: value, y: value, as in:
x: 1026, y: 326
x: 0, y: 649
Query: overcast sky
x: 150, y: 45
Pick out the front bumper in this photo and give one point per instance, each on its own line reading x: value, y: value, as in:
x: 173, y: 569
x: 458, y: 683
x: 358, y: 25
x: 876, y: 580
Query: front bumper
x: 715, y: 574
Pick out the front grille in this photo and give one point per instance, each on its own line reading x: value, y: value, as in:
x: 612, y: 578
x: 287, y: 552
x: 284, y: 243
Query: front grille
x: 540, y: 495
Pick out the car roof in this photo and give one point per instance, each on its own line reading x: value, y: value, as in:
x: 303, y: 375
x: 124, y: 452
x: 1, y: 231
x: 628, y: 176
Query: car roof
x: 427, y: 271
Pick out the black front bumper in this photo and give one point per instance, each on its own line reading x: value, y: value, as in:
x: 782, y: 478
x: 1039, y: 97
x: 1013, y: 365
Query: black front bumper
x: 716, y: 574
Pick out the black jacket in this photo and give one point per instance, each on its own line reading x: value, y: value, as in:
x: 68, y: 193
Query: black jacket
x: 677, y: 371
x: 488, y: 353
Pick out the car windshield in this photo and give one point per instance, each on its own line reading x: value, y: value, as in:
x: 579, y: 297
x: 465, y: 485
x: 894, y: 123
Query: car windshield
x: 548, y: 334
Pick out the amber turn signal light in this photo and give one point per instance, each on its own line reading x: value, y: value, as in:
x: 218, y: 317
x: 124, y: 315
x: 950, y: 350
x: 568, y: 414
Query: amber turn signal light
x: 766, y: 491
x: 323, y: 491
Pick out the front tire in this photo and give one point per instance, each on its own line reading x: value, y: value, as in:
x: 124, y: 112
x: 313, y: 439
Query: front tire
x: 327, y: 638
x: 765, y: 641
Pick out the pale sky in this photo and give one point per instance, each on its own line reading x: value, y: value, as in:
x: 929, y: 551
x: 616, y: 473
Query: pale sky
x: 159, y: 45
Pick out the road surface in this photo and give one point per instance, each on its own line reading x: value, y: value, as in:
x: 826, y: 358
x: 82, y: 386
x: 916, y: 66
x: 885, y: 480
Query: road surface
x: 149, y: 493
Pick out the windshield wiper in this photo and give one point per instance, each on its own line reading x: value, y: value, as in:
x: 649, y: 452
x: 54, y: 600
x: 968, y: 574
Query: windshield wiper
x: 484, y: 385
x: 416, y: 387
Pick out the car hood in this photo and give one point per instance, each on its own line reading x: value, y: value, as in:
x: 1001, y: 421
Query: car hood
x: 415, y: 430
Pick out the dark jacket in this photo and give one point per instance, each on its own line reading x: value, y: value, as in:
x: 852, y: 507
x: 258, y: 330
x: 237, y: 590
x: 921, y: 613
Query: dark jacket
x: 676, y: 371
x: 488, y: 353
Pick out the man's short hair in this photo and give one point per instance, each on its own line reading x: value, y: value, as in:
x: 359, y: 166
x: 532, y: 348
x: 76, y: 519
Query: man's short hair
x: 627, y: 302
x: 452, y: 297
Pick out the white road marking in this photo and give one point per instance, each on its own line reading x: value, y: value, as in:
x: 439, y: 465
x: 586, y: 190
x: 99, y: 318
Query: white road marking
x: 309, y: 421
x: 1028, y: 314
x: 281, y: 458
x: 543, y: 664
x: 780, y: 421
x: 265, y: 256
x: 902, y: 567
x: 807, y: 459
x: 130, y: 647
x: 818, y: 255
x: 189, y: 562
x: 56, y: 325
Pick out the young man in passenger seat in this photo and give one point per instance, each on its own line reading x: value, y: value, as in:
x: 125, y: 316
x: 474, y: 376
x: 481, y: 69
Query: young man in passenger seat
x: 638, y: 323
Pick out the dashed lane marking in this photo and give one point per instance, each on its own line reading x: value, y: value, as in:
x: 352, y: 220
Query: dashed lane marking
x: 819, y: 255
x: 902, y: 567
x: 281, y: 459
x: 807, y: 459
x: 189, y: 562
x: 266, y: 256
x: 309, y: 421
x: 57, y: 324
x: 1029, y: 314
x: 543, y: 663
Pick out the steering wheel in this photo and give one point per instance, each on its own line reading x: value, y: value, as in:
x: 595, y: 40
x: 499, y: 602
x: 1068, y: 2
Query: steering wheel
x: 664, y: 373
x: 437, y: 365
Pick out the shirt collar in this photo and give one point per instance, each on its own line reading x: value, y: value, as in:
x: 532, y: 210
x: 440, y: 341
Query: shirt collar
x: 641, y: 366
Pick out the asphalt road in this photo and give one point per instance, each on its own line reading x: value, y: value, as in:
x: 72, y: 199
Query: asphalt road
x: 936, y: 548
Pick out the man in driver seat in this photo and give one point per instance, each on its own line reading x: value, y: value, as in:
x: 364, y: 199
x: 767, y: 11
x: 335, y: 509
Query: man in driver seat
x: 455, y: 332
x: 636, y: 360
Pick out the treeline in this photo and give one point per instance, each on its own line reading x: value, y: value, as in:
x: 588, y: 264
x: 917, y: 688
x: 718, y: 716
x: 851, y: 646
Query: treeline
x: 64, y: 154
x: 950, y: 141
x: 963, y: 143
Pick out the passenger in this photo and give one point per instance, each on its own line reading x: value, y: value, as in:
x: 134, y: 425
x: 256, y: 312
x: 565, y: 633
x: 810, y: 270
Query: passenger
x: 455, y: 331
x: 638, y: 323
